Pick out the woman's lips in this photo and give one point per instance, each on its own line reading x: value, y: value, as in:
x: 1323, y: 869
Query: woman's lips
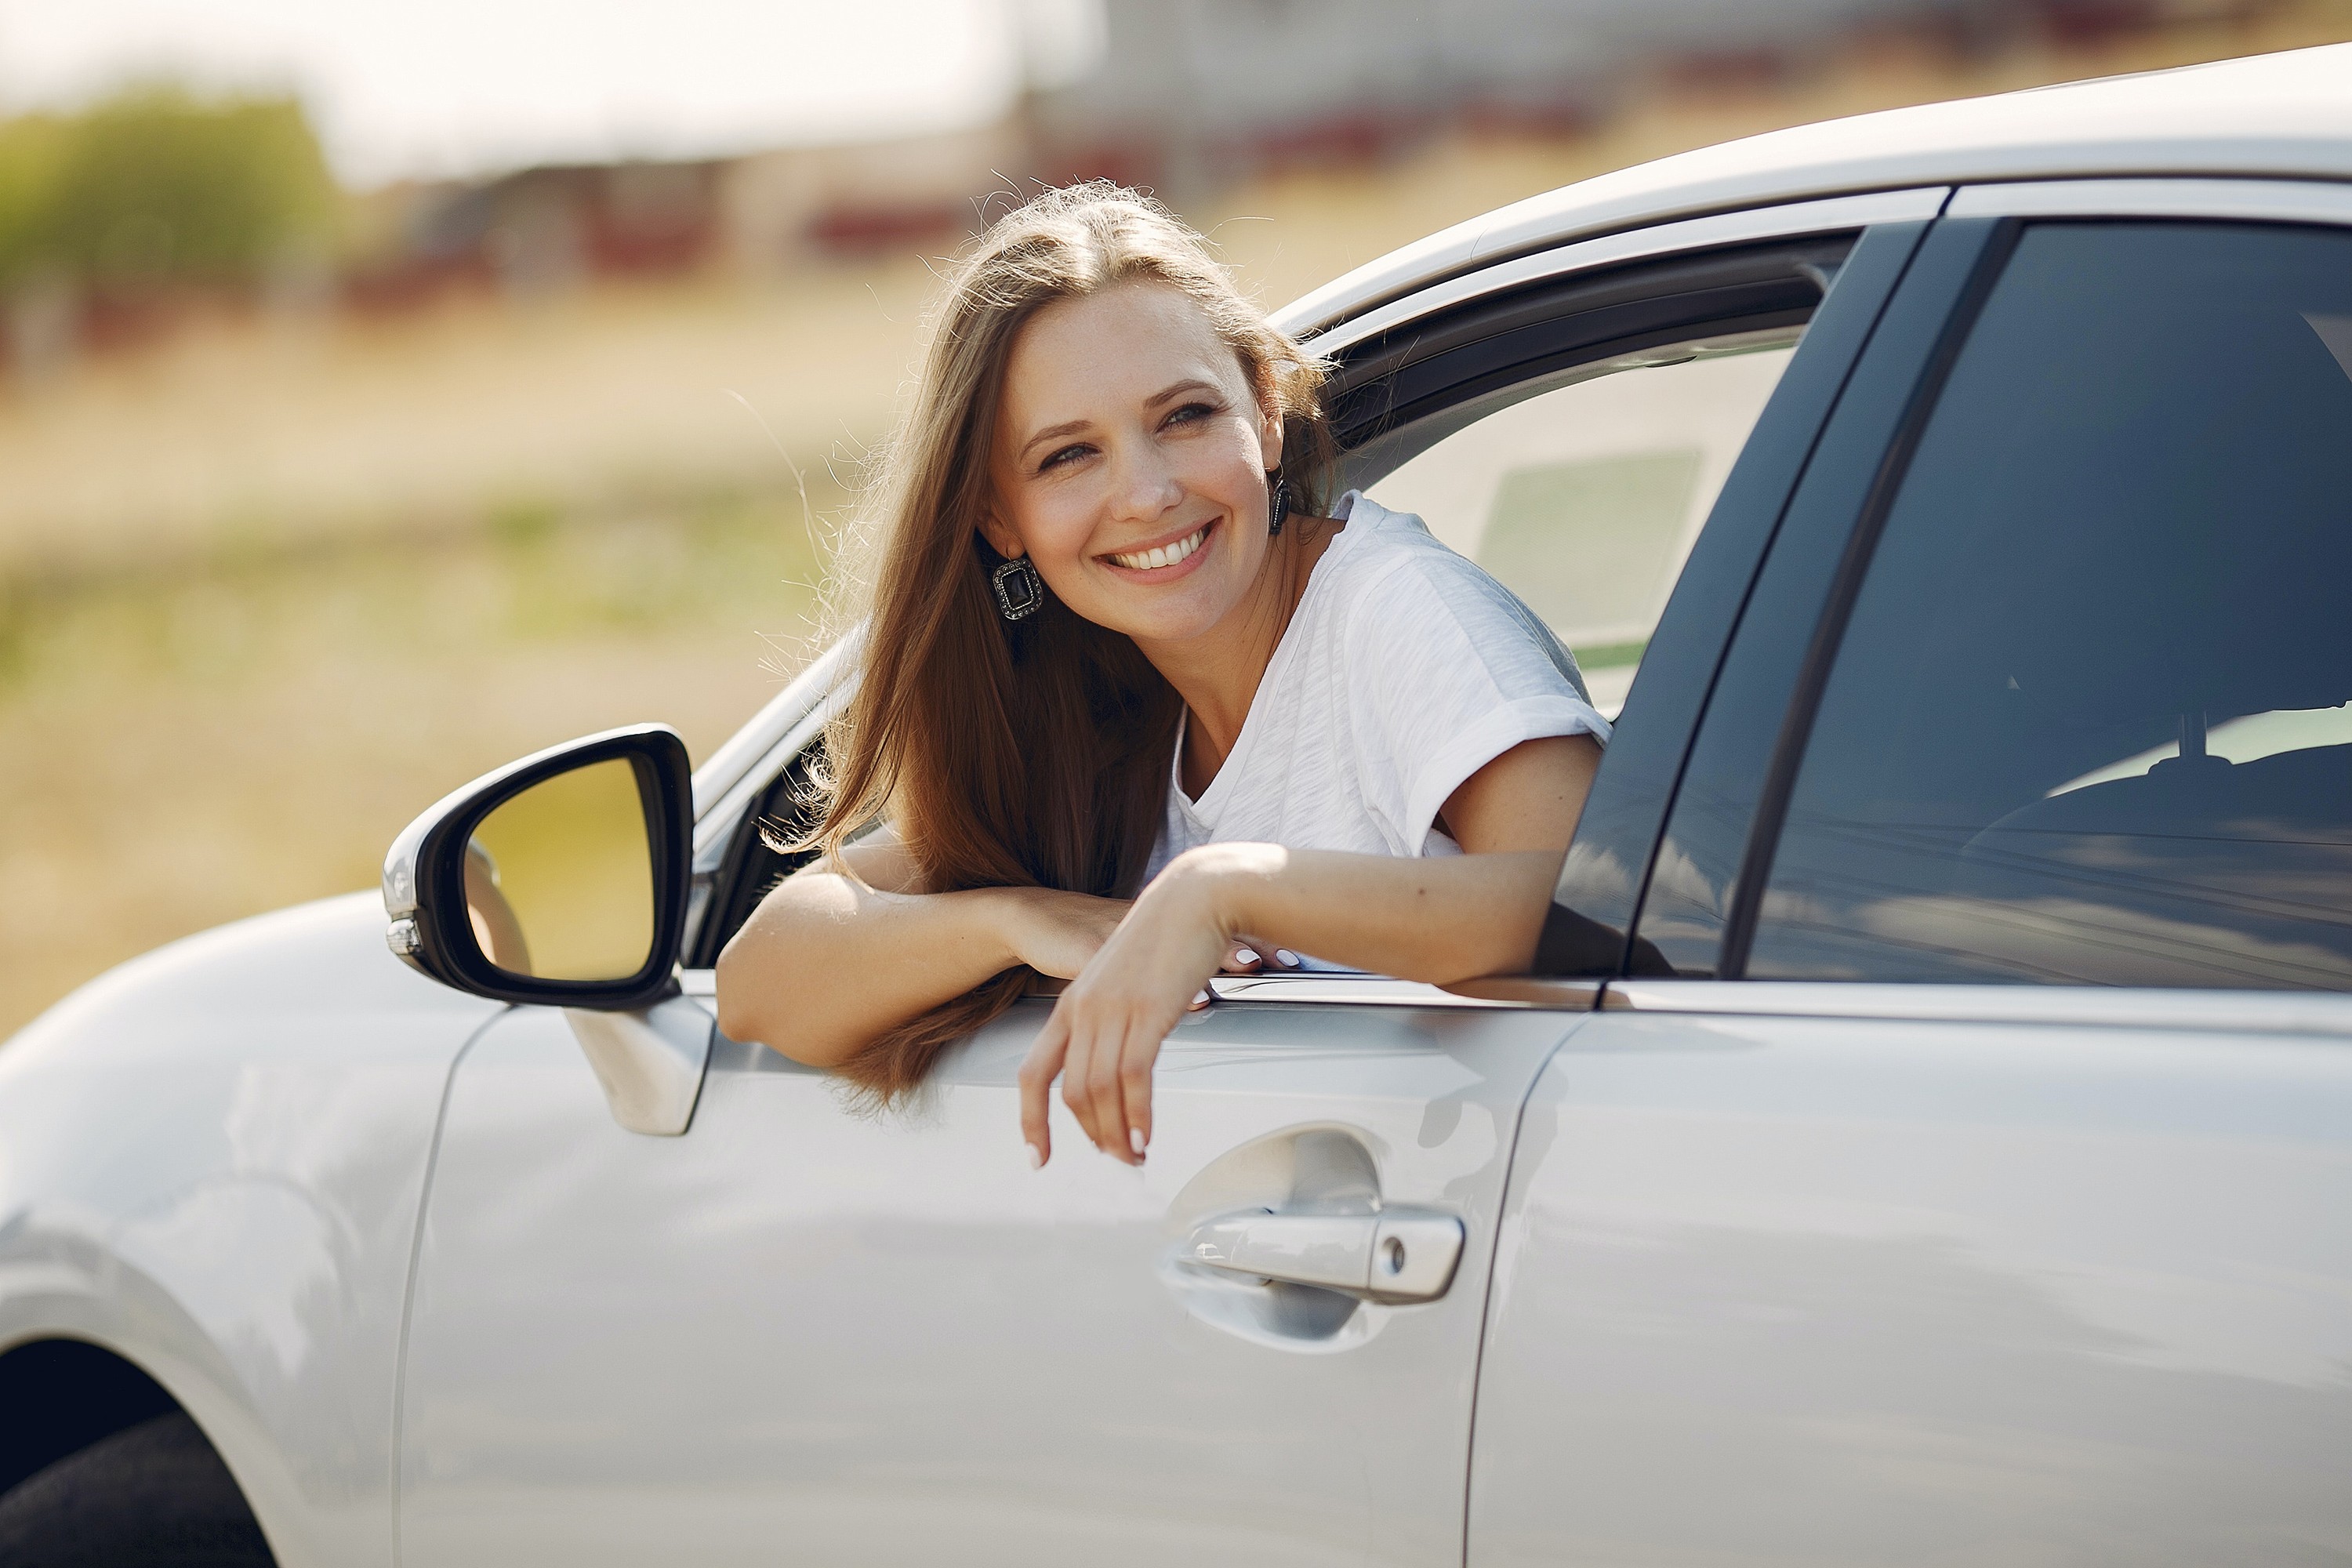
x: 1164, y: 562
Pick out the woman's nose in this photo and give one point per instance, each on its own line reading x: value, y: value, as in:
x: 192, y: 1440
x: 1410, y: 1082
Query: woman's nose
x: 1143, y: 485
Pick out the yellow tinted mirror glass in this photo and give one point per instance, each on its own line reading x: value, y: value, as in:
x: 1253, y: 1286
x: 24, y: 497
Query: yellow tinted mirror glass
x: 559, y: 880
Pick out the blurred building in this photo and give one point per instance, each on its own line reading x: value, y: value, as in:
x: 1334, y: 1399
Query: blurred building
x: 539, y: 231
x: 1191, y: 94
x: 784, y: 209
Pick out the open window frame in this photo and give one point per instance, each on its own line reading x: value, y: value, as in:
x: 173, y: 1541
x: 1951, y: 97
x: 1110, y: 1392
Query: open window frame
x: 1730, y: 285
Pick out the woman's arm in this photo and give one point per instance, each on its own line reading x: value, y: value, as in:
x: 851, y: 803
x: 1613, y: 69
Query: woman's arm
x: 1438, y: 920
x: 828, y: 962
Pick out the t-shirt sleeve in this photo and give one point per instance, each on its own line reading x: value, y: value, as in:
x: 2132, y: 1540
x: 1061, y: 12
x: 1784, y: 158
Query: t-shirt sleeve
x: 1446, y: 671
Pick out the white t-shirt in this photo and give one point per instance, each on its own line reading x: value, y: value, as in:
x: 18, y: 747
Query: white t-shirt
x: 1404, y: 670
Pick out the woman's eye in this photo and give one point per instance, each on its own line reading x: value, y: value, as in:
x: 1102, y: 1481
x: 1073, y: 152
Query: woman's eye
x: 1066, y: 454
x: 1192, y: 412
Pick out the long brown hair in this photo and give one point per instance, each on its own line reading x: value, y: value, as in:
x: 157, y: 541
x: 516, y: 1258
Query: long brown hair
x: 1036, y: 753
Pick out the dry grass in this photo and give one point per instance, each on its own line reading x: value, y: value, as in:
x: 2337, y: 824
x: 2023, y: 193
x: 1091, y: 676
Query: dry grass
x: 267, y: 590
x: 254, y: 439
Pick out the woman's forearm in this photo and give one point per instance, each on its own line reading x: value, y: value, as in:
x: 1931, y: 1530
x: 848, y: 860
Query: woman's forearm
x: 827, y: 964
x: 1438, y: 920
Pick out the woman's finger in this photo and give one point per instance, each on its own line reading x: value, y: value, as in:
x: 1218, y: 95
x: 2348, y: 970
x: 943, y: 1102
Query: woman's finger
x: 1105, y: 1097
x: 1136, y: 1059
x: 1037, y: 1070
x: 1077, y: 1063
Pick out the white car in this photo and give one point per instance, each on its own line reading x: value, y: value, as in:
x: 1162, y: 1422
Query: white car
x: 1928, y: 1137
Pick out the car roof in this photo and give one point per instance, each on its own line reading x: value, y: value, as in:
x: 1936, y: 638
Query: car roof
x: 2277, y: 116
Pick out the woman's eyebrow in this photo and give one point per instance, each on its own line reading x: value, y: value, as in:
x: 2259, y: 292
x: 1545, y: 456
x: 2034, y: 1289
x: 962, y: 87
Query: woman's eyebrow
x: 1182, y: 388
x: 1054, y: 433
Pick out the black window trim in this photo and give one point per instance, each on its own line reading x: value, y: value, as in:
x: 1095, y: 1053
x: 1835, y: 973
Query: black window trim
x: 1813, y: 549
x: 1387, y: 384
x: 1997, y: 240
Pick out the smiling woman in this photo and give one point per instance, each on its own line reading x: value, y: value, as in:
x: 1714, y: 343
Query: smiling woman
x: 1139, y: 700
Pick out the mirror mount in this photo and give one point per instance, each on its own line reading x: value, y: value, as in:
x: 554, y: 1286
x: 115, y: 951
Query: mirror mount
x: 431, y: 927
x: 649, y: 1064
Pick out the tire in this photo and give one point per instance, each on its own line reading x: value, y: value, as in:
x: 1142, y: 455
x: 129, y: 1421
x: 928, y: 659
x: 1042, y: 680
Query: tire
x: 152, y: 1496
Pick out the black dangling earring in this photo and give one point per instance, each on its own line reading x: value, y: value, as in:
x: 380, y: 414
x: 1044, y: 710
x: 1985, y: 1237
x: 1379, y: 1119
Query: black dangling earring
x: 1020, y: 592
x: 1277, y: 503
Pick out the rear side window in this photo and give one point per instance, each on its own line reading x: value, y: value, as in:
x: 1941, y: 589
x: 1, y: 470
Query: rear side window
x: 2087, y: 722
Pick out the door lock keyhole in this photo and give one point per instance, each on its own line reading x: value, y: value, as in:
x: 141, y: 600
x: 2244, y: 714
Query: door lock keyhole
x: 1392, y: 1256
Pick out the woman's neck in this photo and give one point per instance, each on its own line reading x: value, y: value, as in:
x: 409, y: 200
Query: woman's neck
x: 1218, y: 675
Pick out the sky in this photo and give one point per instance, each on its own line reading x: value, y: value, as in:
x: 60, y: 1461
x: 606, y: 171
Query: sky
x: 431, y: 87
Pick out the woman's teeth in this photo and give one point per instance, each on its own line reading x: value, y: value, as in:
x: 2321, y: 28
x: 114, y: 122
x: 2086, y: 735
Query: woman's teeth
x: 1166, y: 555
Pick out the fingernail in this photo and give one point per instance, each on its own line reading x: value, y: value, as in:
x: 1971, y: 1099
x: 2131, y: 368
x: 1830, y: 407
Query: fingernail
x: 1243, y: 955
x: 1284, y: 956
x: 1134, y: 1141
x: 1036, y: 1158
x: 1201, y: 998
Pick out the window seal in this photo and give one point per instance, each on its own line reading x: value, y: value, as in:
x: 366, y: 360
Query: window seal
x: 2218, y: 200
x: 1505, y: 993
x: 2323, y: 1013
x: 1389, y: 382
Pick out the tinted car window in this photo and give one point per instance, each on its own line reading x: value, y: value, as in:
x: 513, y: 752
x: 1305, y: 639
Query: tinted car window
x: 2088, y: 720
x: 1584, y: 499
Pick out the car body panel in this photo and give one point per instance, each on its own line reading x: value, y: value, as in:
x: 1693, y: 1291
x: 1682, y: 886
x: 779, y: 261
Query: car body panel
x: 210, y: 1164
x: 1780, y: 1289
x: 887, y: 1340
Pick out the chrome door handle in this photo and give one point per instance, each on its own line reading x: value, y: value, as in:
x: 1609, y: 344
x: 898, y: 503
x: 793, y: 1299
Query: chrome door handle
x: 1398, y: 1255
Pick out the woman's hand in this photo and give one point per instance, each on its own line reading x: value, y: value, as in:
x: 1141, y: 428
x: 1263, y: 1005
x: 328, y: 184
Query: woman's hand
x: 1106, y: 1030
x: 1438, y: 920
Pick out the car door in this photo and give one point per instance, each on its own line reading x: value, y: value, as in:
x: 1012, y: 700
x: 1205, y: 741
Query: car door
x: 1982, y: 1189
x: 799, y: 1332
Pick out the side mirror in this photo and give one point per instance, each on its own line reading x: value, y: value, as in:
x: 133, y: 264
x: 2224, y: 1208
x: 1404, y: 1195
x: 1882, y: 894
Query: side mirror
x: 562, y: 879
x: 559, y: 879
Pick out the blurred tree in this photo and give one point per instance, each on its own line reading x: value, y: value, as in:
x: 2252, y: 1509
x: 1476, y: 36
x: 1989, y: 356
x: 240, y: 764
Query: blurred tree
x: 30, y: 148
x: 155, y: 186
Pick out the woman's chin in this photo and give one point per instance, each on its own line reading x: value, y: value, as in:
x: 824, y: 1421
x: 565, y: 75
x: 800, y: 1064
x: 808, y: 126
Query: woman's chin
x: 1164, y: 618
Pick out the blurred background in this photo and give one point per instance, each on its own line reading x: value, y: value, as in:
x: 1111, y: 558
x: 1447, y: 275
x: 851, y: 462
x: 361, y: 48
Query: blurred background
x: 387, y: 391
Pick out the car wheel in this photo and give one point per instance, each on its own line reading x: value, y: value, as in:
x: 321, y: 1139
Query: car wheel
x: 152, y: 1496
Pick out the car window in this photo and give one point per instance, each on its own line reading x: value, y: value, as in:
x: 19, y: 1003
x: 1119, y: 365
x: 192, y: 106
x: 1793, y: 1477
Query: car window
x: 2088, y: 720
x: 1583, y: 498
x: 753, y: 865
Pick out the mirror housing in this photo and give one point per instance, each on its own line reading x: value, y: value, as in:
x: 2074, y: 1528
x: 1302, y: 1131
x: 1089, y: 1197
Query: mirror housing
x: 425, y: 874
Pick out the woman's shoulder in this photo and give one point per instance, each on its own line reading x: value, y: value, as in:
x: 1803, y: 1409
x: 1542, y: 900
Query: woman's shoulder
x: 1383, y: 561
x: 1401, y: 596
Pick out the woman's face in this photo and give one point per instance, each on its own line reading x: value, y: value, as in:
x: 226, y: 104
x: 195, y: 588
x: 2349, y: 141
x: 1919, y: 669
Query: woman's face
x: 1130, y: 463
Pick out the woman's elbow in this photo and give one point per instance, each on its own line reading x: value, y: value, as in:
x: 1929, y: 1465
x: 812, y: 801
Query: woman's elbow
x: 751, y: 1013
x: 746, y: 1008
x: 740, y: 1016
